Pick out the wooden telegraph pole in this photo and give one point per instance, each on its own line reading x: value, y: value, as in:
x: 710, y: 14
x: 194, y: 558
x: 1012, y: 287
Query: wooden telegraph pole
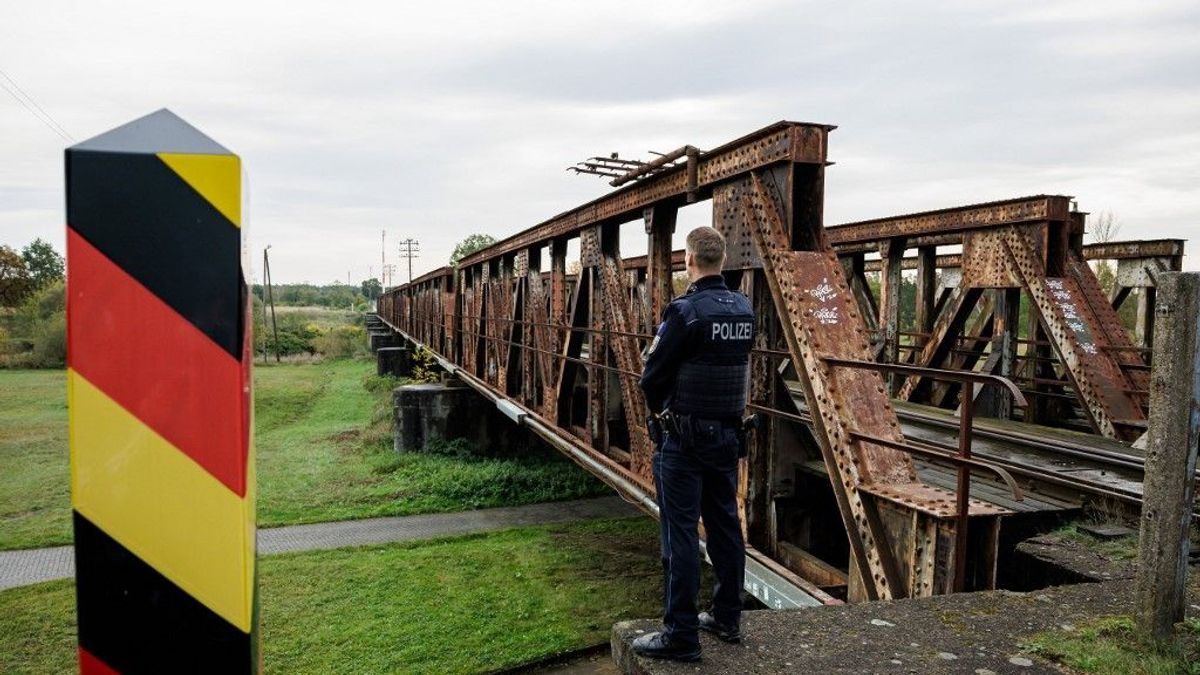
x: 270, y: 297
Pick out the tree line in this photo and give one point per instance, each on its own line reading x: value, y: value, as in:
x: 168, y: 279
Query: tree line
x: 33, y: 322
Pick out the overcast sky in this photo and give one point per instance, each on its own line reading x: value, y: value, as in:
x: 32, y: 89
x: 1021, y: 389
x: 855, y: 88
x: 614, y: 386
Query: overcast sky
x: 436, y: 120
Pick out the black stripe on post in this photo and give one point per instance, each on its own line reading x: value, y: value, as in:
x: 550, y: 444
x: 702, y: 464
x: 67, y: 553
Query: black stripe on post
x: 137, y: 621
x: 142, y: 215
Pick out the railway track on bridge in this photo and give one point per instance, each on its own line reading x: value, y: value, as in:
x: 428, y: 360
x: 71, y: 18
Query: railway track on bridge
x: 1057, y: 468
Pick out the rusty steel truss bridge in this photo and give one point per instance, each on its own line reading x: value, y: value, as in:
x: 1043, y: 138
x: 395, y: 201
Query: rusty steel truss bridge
x: 907, y: 442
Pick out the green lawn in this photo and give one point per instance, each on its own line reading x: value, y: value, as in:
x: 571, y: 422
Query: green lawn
x: 324, y: 453
x: 35, y: 489
x: 468, y: 604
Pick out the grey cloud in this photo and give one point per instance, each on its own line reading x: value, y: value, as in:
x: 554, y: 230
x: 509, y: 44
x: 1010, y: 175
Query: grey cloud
x: 437, y: 121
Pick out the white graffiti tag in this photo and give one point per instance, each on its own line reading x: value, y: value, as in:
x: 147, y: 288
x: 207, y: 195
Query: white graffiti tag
x: 823, y: 292
x: 826, y: 315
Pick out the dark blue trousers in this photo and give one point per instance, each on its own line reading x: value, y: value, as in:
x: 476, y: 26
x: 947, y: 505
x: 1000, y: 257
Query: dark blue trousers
x: 695, y: 481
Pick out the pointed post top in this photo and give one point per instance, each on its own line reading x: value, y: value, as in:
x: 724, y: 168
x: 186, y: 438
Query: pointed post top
x: 160, y: 131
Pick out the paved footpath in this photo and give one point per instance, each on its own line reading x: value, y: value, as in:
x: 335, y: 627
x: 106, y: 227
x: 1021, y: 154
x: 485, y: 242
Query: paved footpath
x: 21, y: 568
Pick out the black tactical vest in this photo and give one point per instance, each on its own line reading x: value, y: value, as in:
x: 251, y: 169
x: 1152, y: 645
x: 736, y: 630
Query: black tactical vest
x: 713, y: 378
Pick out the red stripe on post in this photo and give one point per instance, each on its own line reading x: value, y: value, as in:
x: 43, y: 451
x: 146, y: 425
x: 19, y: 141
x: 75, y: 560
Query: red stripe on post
x: 90, y: 665
x: 156, y: 364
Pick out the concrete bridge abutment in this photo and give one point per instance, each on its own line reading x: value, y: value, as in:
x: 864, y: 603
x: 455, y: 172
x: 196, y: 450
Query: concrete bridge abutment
x: 393, y: 361
x: 429, y: 414
x: 385, y: 337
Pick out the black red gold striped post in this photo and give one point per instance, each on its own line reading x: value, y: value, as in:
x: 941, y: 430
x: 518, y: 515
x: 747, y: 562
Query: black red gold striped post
x: 162, y: 463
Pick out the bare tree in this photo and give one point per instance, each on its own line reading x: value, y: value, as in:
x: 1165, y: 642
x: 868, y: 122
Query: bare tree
x: 1105, y: 230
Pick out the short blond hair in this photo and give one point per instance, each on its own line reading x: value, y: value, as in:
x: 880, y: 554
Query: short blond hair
x: 708, y: 247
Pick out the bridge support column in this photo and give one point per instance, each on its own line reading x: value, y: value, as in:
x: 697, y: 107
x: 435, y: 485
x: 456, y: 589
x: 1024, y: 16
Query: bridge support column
x: 393, y: 361
x: 377, y: 340
x: 445, y: 411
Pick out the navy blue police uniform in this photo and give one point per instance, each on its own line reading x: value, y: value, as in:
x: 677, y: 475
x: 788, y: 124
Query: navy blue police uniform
x: 696, y: 371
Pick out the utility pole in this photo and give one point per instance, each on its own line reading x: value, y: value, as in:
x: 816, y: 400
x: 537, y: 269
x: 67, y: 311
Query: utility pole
x: 408, y: 249
x: 271, y: 298
x: 1172, y: 438
x: 383, y: 258
x: 254, y: 319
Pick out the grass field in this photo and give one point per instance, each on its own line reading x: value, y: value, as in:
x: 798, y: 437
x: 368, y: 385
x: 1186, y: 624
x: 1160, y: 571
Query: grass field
x: 325, y: 453
x: 325, y: 317
x: 468, y: 604
x: 323, y: 438
x: 35, y: 490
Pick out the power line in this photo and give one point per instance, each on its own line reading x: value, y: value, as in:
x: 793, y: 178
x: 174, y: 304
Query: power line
x: 408, y: 249
x: 36, y: 110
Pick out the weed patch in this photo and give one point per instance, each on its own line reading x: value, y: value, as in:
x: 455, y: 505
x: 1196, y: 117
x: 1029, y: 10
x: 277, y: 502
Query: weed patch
x: 1108, y: 646
x: 1122, y: 548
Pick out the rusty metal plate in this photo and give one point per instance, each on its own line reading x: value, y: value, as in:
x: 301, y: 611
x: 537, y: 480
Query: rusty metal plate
x: 1073, y: 328
x: 628, y: 360
x: 521, y: 263
x: 827, y: 320
x: 931, y: 500
x: 589, y: 247
x: 775, y: 147
x: 785, y: 141
x: 831, y: 416
x: 740, y: 253
x: 1110, y: 324
x: 1140, y: 273
x: 984, y: 262
x: 975, y: 216
x: 1167, y: 249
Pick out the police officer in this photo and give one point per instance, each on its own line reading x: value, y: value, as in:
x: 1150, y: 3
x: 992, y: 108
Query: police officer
x: 695, y: 380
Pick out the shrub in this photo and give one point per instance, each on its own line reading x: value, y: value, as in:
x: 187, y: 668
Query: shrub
x: 340, y: 342
x: 37, y: 331
x: 424, y: 366
x: 295, y: 336
x: 50, y: 342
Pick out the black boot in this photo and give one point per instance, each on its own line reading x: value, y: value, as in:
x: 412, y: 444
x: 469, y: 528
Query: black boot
x: 724, y: 632
x: 661, y: 646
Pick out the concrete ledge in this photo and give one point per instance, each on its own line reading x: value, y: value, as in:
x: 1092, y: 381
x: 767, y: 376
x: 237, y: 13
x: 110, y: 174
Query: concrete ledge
x: 428, y: 413
x: 1053, y: 560
x: 379, y: 339
x: 965, y: 633
x: 393, y: 361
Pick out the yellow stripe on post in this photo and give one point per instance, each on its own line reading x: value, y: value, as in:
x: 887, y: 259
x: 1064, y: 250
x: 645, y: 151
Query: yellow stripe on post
x: 217, y: 178
x: 160, y: 504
